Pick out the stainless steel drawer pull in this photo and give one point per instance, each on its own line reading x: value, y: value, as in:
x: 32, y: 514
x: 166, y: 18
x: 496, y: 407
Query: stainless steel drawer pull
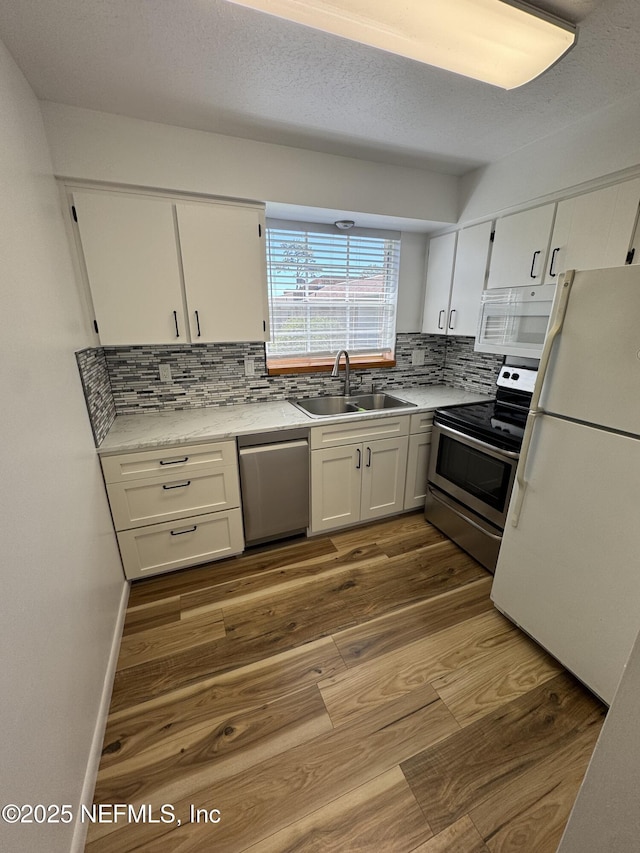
x: 174, y: 461
x: 178, y: 486
x: 181, y: 532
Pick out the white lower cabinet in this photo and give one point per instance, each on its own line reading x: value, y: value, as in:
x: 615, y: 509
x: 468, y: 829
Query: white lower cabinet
x: 357, y: 480
x: 175, y: 507
x: 418, y: 460
x: 186, y: 542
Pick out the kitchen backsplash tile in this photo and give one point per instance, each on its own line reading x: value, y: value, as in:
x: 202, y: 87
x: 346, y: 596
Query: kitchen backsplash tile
x: 213, y: 374
x: 472, y: 371
x: 94, y: 376
x: 126, y: 380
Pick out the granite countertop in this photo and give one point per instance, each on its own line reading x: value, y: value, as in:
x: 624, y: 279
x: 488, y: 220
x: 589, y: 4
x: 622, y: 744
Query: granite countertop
x: 194, y: 426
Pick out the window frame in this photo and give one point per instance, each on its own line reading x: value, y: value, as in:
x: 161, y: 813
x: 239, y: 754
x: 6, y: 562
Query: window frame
x: 309, y: 362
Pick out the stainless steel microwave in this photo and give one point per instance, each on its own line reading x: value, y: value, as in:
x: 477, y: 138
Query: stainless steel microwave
x: 514, y: 320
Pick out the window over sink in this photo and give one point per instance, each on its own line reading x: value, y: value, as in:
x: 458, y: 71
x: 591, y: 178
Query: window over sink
x: 330, y: 290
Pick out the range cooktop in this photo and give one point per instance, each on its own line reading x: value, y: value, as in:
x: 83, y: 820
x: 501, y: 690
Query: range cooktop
x: 491, y: 422
x: 499, y: 422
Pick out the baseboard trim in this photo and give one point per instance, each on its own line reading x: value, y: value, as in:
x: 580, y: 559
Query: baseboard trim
x: 80, y: 831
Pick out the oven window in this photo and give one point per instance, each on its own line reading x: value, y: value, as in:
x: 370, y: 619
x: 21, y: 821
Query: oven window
x: 479, y: 474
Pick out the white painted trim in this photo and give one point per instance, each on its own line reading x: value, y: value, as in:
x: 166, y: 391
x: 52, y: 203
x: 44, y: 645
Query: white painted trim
x: 86, y: 797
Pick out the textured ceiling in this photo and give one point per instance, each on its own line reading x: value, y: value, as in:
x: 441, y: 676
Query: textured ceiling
x: 211, y: 65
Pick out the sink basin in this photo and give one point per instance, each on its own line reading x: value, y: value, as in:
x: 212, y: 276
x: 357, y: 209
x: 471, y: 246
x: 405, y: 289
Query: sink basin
x: 322, y: 407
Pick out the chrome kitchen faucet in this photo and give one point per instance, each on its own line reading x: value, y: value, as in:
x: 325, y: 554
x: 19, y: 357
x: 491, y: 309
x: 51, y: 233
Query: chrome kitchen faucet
x: 336, y: 368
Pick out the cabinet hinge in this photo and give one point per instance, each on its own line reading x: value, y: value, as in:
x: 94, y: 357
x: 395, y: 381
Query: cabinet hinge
x: 74, y: 213
x: 630, y: 256
x: 95, y: 326
x: 493, y: 237
x: 259, y: 230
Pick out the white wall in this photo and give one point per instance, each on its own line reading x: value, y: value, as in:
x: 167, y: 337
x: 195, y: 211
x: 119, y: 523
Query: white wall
x: 103, y: 147
x: 606, y: 815
x: 62, y: 583
x: 605, y: 143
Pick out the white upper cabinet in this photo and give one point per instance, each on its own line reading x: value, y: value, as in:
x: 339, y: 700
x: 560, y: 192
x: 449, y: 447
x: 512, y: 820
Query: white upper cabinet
x: 520, y: 247
x: 442, y: 252
x: 132, y: 262
x: 469, y: 274
x: 456, y: 271
x: 594, y: 230
x: 165, y: 271
x: 224, y: 265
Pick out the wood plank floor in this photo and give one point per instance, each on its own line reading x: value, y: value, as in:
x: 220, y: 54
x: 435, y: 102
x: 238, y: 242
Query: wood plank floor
x: 355, y: 692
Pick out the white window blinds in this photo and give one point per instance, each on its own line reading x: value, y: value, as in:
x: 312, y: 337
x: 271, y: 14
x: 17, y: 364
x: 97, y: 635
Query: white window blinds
x: 331, y: 291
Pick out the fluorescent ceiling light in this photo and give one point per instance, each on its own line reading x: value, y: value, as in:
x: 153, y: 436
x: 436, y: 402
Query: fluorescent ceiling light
x: 502, y: 42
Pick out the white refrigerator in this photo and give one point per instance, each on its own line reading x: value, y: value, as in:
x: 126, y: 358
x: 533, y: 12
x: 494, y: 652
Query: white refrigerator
x: 568, y: 571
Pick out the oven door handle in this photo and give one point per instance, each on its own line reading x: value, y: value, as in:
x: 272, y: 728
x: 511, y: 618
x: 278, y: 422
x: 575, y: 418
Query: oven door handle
x: 476, y: 442
x: 464, y: 517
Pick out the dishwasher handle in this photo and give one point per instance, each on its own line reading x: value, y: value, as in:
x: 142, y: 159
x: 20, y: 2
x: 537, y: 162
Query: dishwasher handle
x: 268, y: 448
x: 276, y: 437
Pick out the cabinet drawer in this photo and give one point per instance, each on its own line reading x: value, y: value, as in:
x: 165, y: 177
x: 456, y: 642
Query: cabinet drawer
x: 355, y: 432
x: 173, y: 545
x: 167, y: 461
x: 156, y: 499
x: 421, y: 422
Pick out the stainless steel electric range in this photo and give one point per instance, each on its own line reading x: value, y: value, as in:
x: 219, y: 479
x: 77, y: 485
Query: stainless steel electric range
x: 474, y: 454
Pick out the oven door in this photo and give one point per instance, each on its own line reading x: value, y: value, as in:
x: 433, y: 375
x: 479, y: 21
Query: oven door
x: 473, y: 472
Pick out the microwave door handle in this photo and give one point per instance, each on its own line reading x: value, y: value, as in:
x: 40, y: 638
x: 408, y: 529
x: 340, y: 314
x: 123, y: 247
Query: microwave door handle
x: 557, y: 321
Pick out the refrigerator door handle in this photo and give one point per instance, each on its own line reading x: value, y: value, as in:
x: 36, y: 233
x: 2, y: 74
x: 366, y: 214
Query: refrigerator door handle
x: 557, y: 321
x: 520, y: 473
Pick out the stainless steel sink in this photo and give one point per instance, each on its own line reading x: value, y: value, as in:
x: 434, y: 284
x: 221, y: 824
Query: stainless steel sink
x: 322, y: 407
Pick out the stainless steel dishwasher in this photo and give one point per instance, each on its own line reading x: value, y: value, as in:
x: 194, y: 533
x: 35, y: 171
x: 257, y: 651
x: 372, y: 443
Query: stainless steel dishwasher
x: 274, y: 478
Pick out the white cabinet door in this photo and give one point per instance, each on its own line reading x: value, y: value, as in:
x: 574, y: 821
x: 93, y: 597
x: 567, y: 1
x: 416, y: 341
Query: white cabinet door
x: 335, y: 486
x: 132, y: 262
x: 594, y: 230
x: 357, y: 482
x: 384, y: 470
x: 469, y: 274
x: 438, y: 284
x: 417, y: 464
x: 520, y: 247
x: 224, y: 264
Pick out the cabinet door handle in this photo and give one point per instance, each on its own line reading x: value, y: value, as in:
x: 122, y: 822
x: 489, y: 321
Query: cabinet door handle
x: 178, y: 486
x: 197, y: 323
x: 440, y: 316
x: 451, y: 313
x: 368, y: 457
x: 552, y: 272
x: 174, y: 461
x: 182, y: 532
x: 359, y: 463
x: 175, y: 320
x: 533, y: 263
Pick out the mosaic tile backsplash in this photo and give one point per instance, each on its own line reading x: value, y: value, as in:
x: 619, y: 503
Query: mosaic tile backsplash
x: 126, y: 380
x: 469, y: 370
x: 92, y: 365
